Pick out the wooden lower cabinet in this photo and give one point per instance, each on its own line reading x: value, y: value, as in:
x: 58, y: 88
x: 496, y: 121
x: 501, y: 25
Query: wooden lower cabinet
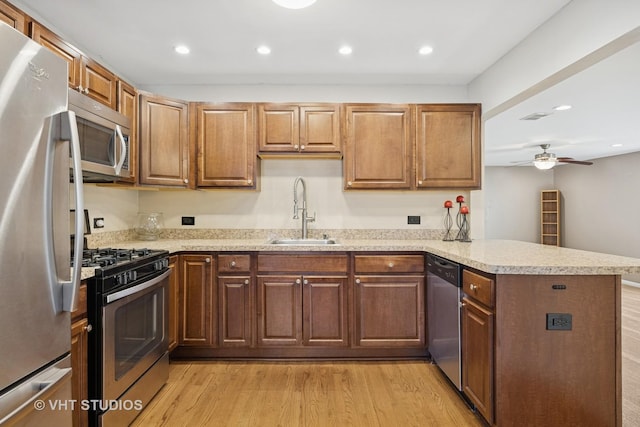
x: 80, y: 329
x: 197, y: 296
x: 389, y: 311
x: 304, y: 310
x: 174, y: 301
x: 235, y: 302
x: 477, y: 356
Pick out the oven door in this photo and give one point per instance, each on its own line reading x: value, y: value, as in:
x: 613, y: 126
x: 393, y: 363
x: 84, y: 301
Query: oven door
x: 135, y: 333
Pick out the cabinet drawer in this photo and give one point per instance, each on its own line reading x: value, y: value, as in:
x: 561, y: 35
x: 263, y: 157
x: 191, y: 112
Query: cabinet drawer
x: 299, y: 263
x: 478, y: 287
x: 234, y: 263
x: 389, y: 263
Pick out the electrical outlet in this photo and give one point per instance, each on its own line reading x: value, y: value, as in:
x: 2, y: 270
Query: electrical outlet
x: 559, y: 321
x: 188, y: 220
x: 98, y: 222
x: 413, y: 219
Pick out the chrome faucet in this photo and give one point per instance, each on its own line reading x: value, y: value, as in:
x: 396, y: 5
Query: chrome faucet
x: 305, y: 218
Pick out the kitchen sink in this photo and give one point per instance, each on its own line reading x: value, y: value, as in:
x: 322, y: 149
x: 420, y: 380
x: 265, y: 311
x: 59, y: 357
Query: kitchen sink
x: 303, y: 242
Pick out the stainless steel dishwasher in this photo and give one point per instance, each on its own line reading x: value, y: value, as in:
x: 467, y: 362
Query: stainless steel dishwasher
x: 443, y: 316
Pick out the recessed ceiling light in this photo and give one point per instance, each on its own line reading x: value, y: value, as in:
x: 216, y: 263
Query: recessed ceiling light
x: 263, y: 50
x: 181, y: 49
x: 616, y: 145
x: 563, y: 107
x: 345, y: 50
x: 425, y: 50
x: 294, y: 4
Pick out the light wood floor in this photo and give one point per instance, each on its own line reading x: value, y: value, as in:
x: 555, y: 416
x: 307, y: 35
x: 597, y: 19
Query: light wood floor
x: 307, y: 394
x: 630, y: 356
x: 344, y: 393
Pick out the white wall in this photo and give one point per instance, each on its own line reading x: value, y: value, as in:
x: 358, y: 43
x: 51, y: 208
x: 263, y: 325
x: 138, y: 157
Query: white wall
x: 272, y: 206
x: 118, y: 207
x: 512, y: 202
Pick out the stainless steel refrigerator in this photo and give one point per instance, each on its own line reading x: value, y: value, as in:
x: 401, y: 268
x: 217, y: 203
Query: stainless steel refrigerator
x: 37, y: 286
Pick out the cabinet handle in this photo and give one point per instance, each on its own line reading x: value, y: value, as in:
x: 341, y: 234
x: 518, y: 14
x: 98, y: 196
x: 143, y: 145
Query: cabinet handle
x: 186, y: 181
x: 390, y: 265
x: 298, y: 281
x: 473, y: 287
x: 295, y: 146
x: 250, y: 181
x: 88, y: 328
x: 246, y: 281
x: 419, y: 182
x: 207, y: 260
x: 86, y: 91
x: 305, y: 281
x: 357, y: 281
x: 232, y: 264
x: 349, y: 183
x: 302, y: 147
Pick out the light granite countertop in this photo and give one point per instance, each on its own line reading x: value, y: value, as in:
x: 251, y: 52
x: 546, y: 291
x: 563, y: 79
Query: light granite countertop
x: 491, y: 256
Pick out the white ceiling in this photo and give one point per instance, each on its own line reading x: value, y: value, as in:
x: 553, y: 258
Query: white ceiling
x: 136, y: 39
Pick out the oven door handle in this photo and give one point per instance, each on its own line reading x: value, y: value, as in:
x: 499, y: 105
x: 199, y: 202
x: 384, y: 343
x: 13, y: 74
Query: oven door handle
x: 137, y: 288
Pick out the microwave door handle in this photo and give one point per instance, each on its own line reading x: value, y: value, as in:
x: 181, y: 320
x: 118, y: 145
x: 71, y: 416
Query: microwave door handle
x: 123, y: 150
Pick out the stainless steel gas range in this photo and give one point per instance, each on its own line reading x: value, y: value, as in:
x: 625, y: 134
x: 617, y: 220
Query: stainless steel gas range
x: 127, y: 302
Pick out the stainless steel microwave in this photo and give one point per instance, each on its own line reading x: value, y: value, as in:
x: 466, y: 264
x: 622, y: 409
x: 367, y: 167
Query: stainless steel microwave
x: 104, y: 139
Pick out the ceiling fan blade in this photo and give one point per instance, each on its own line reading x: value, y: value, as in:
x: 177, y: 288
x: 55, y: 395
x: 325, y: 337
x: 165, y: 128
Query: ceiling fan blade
x: 573, y: 161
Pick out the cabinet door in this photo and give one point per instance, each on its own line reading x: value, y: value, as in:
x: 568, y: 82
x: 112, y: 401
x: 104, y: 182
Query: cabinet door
x: 389, y: 311
x: 278, y: 127
x: 448, y: 146
x: 279, y: 309
x: 320, y: 128
x: 226, y: 145
x: 79, y: 365
x: 61, y: 48
x: 378, y: 150
x: 164, y: 141
x: 477, y: 357
x: 325, y: 311
x: 128, y: 106
x: 174, y: 304
x: 197, y: 296
x: 98, y: 82
x: 13, y: 17
x: 235, y: 307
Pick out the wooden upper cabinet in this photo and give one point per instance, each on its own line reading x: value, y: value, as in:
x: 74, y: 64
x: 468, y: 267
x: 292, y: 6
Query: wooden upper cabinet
x: 13, y: 17
x: 98, y: 83
x: 164, y: 141
x: 61, y: 48
x: 128, y: 106
x: 226, y: 145
x: 448, y: 146
x: 299, y: 128
x: 378, y: 146
x: 85, y: 74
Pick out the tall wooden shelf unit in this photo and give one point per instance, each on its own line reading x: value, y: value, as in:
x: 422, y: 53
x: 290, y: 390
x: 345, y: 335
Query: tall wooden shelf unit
x: 550, y: 217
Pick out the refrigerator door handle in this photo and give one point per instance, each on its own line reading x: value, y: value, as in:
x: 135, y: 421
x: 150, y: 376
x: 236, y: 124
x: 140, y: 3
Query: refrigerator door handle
x: 35, y: 392
x: 123, y: 150
x: 68, y: 131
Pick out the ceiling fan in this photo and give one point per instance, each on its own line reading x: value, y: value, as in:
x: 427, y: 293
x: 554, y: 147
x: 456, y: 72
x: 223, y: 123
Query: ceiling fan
x: 546, y: 160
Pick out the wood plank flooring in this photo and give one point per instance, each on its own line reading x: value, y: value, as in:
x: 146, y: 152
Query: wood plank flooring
x: 344, y: 393
x: 630, y: 356
x: 307, y: 394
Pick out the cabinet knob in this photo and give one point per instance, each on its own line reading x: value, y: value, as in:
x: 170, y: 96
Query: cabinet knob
x: 246, y: 281
x: 390, y: 265
x: 302, y: 147
x: 88, y: 328
x: 305, y: 281
x: 232, y: 264
x: 207, y: 260
x: 186, y: 181
x: 250, y: 181
x: 473, y: 287
x: 357, y: 281
x: 298, y: 281
x: 295, y: 146
x: 349, y: 183
x: 419, y: 182
x: 86, y: 91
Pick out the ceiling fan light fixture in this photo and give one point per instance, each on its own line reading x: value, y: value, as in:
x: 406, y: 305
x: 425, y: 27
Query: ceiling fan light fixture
x: 294, y: 4
x: 544, y: 161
